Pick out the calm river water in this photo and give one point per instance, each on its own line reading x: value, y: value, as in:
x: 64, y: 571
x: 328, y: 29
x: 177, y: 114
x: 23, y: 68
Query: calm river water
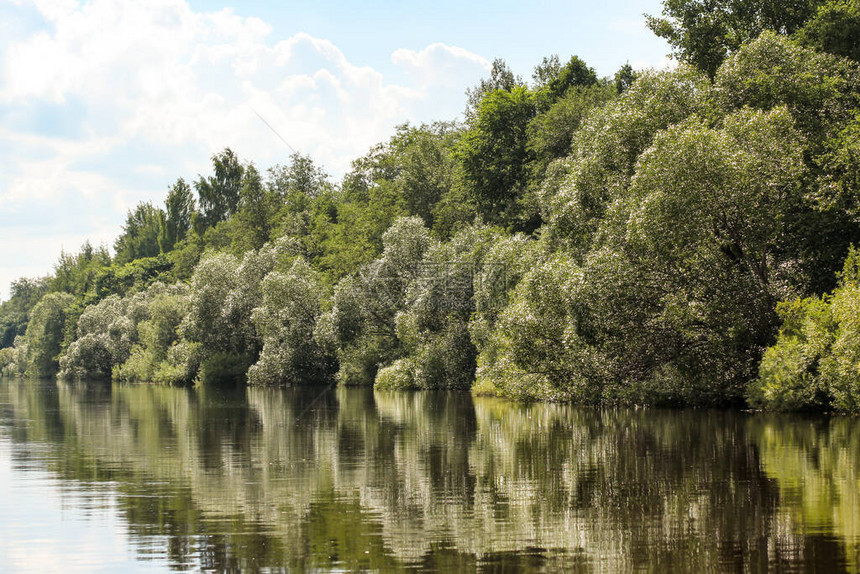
x: 97, y: 477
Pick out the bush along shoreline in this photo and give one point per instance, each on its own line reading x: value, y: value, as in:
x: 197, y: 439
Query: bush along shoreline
x: 679, y: 237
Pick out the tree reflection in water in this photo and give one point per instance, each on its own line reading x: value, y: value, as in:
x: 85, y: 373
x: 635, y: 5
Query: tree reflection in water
x: 355, y: 479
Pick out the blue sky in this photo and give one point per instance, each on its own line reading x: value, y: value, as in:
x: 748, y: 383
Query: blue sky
x: 604, y: 34
x: 105, y: 103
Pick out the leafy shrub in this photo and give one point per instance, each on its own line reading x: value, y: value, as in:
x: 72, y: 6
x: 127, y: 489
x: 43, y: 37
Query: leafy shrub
x: 45, y: 333
x: 286, y: 320
x: 399, y: 375
x: 815, y: 362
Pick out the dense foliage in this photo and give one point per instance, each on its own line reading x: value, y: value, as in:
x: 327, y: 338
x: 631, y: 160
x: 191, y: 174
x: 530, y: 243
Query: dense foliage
x: 662, y: 237
x: 815, y: 363
x: 705, y: 32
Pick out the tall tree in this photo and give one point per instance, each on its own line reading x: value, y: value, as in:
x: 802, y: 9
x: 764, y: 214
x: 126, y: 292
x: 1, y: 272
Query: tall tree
x: 45, y: 333
x: 494, y: 154
x: 624, y: 78
x: 14, y: 313
x: 178, y: 213
x: 256, y: 209
x: 220, y: 193
x: 551, y: 132
x: 294, y: 187
x: 301, y: 176
x: 75, y: 272
x: 501, y: 78
x: 139, y: 234
x: 425, y: 166
x: 835, y: 28
x: 704, y: 32
x: 552, y: 80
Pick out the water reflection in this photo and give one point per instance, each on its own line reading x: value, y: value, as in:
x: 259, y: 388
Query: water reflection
x: 352, y: 479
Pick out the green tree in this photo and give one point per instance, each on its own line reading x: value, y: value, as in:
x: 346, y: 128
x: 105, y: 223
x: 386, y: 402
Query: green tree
x: 834, y: 28
x: 704, y: 32
x: 45, y: 333
x: 706, y: 216
x: 839, y: 186
x: 149, y: 359
x: 15, y: 313
x: 219, y: 194
x: 302, y: 177
x: 179, y: 210
x: 814, y: 363
x: 494, y: 156
x: 362, y: 322
x: 425, y: 166
x: 213, y: 281
x: 624, y: 78
x: 296, y: 187
x: 819, y: 90
x: 223, y: 294
x: 552, y: 80
x: 578, y: 190
x: 76, y: 273
x: 253, y: 220
x: 820, y: 93
x: 140, y: 234
x: 105, y: 333
x: 432, y: 328
x: 551, y: 133
x: 346, y: 228
x: 673, y: 302
x: 286, y: 318
x: 536, y: 348
x: 127, y: 278
x: 501, y: 78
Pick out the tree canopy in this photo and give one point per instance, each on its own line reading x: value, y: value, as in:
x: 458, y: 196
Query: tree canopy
x: 680, y: 237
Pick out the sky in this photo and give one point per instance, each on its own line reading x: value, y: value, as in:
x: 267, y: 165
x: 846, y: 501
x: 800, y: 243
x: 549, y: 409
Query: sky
x: 105, y: 103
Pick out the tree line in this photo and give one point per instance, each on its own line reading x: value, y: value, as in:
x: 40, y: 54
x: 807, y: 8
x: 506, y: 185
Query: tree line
x: 677, y: 237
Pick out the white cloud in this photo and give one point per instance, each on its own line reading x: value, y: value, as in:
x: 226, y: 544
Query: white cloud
x: 34, y: 254
x: 440, y: 64
x: 110, y: 100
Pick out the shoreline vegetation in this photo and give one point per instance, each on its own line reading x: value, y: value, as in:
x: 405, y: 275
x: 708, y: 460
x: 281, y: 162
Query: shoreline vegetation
x: 680, y: 237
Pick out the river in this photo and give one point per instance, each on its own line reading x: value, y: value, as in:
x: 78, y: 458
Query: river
x: 111, y: 478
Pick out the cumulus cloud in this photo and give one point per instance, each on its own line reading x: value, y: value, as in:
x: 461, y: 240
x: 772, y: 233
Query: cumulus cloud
x: 440, y: 64
x: 105, y: 102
